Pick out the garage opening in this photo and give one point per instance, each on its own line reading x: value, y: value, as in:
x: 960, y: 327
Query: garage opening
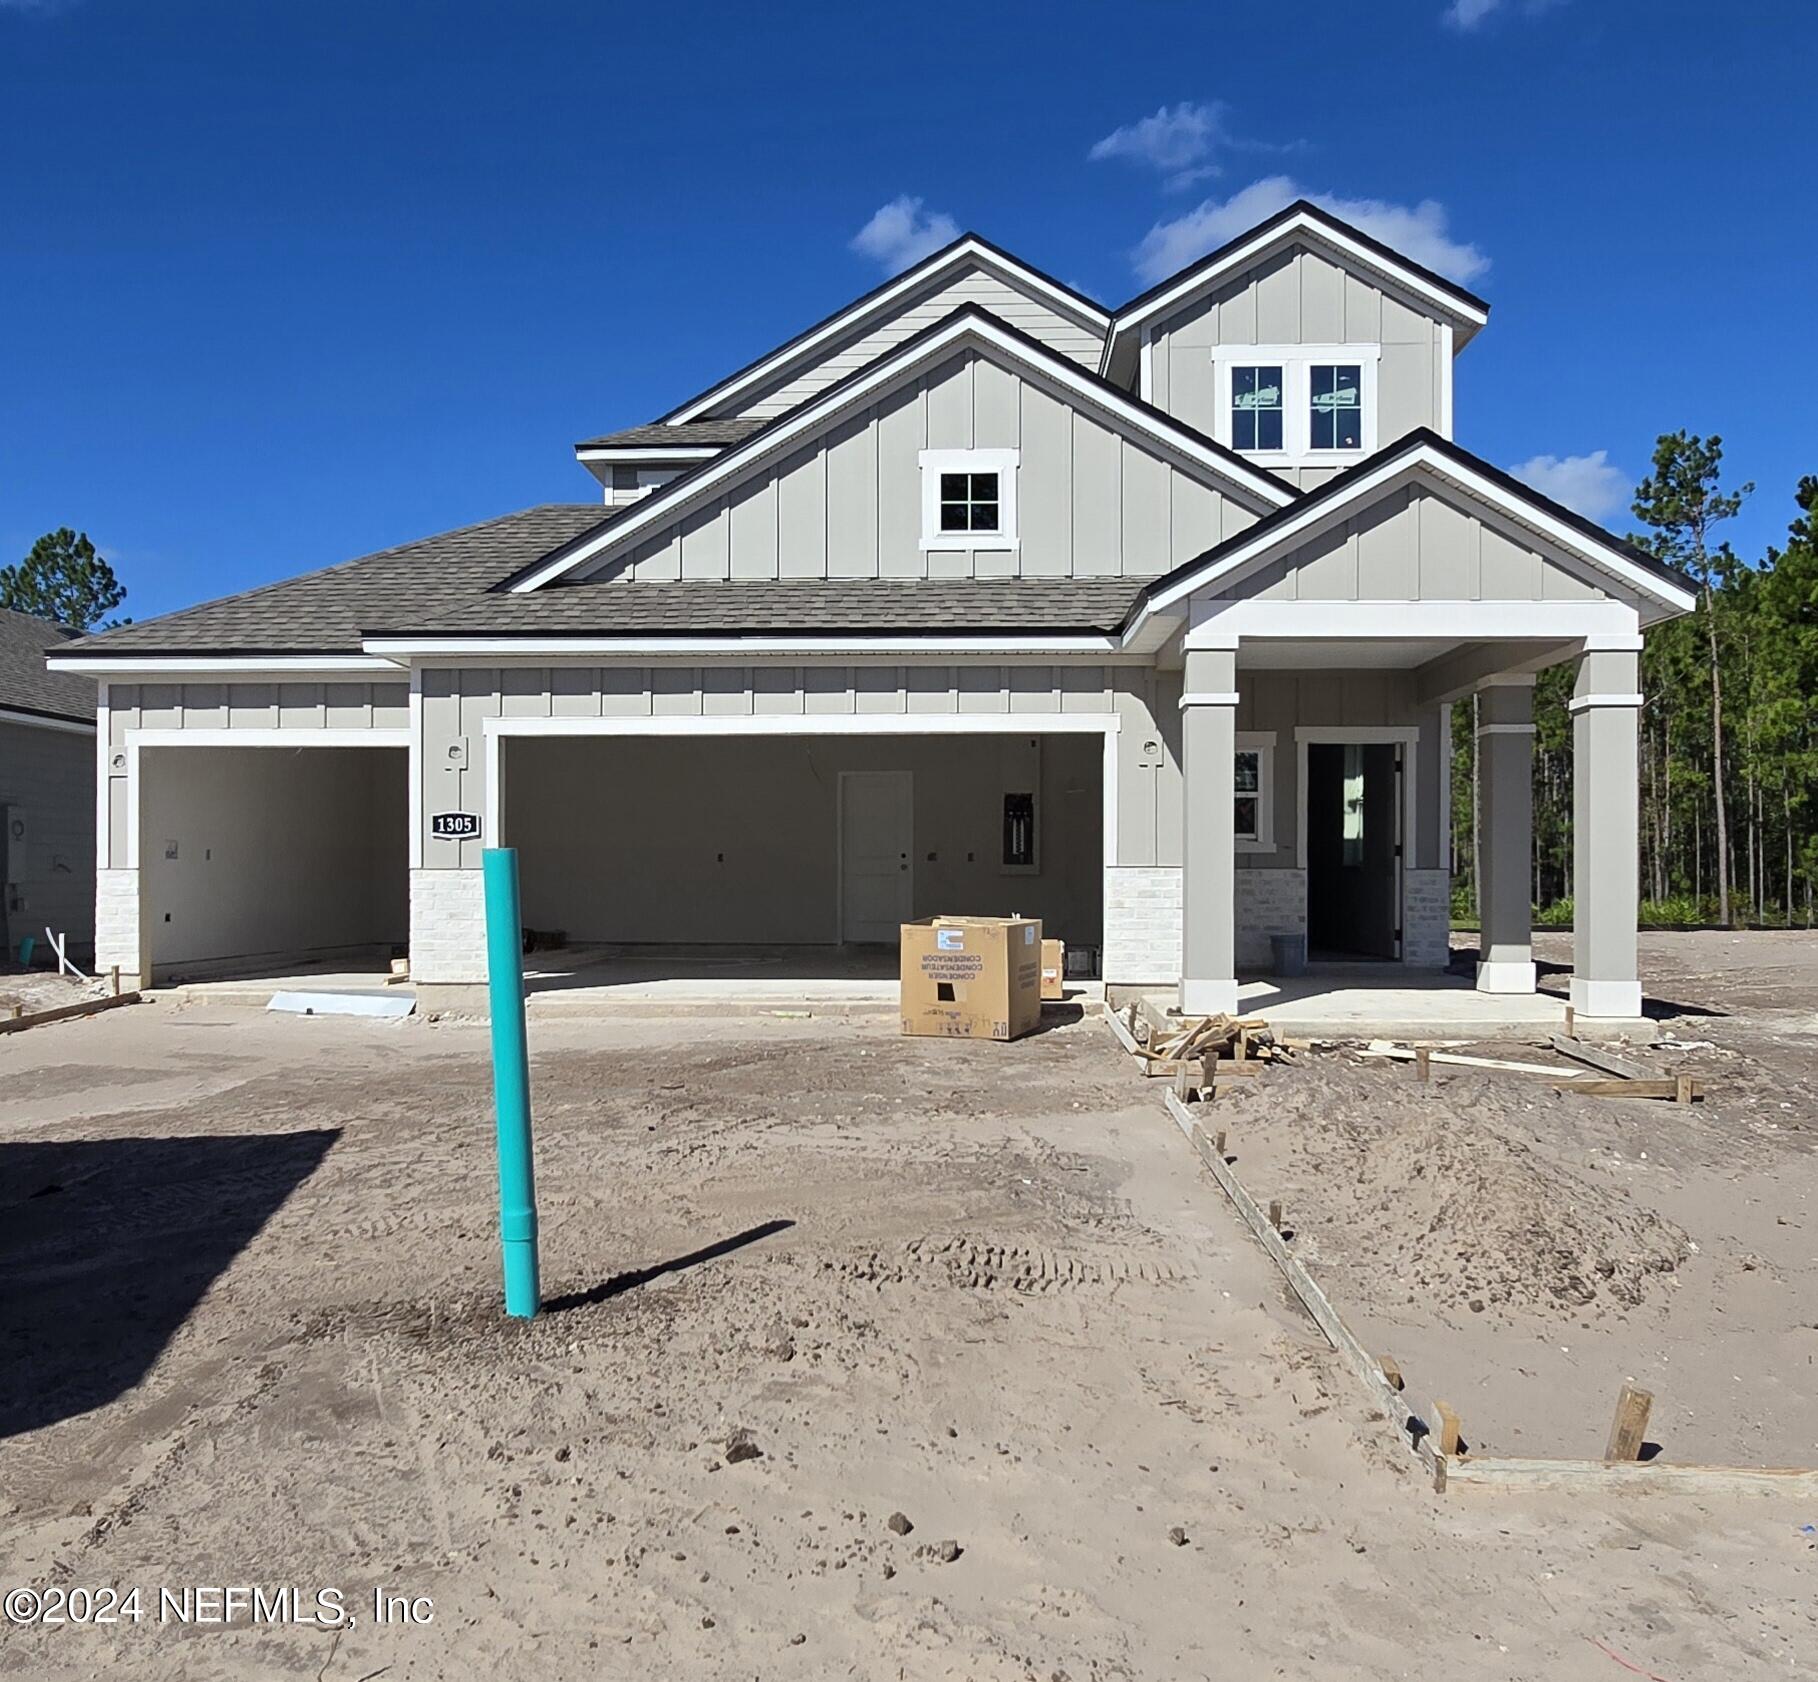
x: 263, y: 860
x: 802, y: 854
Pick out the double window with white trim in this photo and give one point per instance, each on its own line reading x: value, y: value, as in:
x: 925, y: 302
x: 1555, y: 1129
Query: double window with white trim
x: 1296, y: 404
x: 968, y: 499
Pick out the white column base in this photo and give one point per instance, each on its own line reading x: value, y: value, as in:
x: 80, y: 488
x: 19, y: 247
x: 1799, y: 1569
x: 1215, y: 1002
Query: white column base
x: 1505, y: 976
x: 1621, y: 999
x: 1208, y: 998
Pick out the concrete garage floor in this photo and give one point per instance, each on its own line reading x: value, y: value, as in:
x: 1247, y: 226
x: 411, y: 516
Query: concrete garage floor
x: 251, y: 1333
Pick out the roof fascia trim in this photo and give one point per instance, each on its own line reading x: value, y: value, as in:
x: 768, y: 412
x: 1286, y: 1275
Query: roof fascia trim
x: 967, y: 248
x: 1252, y: 247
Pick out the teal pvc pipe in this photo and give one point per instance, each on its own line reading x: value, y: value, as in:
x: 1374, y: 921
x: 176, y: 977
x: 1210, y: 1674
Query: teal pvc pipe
x: 511, y: 1081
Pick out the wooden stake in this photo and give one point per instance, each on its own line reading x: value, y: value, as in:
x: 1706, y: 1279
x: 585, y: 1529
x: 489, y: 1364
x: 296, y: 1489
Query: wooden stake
x: 1275, y: 1216
x: 1448, y: 1428
x: 1683, y: 1089
x: 1218, y: 1143
x: 1423, y: 1062
x: 1630, y: 1424
x: 1571, y: 1022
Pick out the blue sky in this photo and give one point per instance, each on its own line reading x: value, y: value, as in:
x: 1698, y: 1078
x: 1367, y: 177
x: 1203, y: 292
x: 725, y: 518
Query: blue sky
x: 282, y: 284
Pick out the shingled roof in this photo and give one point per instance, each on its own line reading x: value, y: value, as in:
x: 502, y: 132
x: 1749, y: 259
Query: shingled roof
x: 326, y: 612
x: 683, y: 435
x: 804, y: 606
x: 26, y: 686
x: 446, y: 585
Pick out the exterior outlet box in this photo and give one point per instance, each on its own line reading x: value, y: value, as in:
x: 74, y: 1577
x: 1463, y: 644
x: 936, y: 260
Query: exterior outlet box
x: 1054, y: 969
x: 972, y: 978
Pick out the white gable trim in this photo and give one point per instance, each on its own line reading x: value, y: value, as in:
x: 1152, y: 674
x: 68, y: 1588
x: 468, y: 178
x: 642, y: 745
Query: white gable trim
x: 629, y: 457
x: 1261, y: 491
x: 1445, y: 304
x: 43, y: 721
x: 1390, y: 475
x: 968, y: 251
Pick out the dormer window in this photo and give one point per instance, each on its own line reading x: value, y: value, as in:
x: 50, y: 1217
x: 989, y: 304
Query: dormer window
x: 1256, y: 407
x: 1296, y: 405
x: 1335, y: 406
x: 968, y: 499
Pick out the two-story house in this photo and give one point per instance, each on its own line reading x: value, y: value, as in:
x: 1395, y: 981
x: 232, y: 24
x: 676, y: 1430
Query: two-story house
x: 975, y: 596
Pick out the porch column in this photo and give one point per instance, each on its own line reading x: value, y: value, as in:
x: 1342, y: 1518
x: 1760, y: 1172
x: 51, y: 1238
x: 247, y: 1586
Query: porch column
x: 1208, y: 856
x: 1606, y: 869
x: 1505, y: 815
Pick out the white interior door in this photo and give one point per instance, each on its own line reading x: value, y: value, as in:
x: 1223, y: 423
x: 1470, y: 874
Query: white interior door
x: 877, y: 832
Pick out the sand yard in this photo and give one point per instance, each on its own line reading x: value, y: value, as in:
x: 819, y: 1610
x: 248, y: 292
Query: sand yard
x: 1026, y: 1401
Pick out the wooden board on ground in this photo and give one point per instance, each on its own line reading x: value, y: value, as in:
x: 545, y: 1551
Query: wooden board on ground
x: 1365, y: 1365
x: 1681, y: 1088
x: 67, y: 1013
x: 1567, y: 1046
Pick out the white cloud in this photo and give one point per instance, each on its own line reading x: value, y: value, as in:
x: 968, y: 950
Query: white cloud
x: 1590, y: 485
x: 1466, y: 15
x: 1177, y: 142
x: 902, y: 233
x: 1417, y: 231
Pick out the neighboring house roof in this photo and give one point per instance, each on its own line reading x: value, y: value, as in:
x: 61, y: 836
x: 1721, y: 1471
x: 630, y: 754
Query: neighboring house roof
x: 1301, y: 220
x: 1366, y: 480
x: 26, y: 685
x: 676, y: 435
x: 1259, y: 488
x: 969, y: 248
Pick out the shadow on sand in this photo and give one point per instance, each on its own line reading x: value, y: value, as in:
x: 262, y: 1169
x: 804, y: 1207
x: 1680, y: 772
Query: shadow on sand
x: 106, y: 1245
x: 620, y: 1283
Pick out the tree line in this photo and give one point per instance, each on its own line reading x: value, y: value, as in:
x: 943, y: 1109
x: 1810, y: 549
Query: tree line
x: 1728, y: 727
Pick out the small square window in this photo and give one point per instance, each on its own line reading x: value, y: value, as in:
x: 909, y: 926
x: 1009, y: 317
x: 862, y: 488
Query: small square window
x: 968, y: 495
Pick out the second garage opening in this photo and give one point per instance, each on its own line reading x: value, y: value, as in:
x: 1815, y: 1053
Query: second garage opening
x: 803, y: 842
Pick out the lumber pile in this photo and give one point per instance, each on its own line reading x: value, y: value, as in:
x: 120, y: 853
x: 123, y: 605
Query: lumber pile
x: 1196, y: 1052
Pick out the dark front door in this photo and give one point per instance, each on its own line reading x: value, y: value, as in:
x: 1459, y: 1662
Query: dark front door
x: 1354, y: 808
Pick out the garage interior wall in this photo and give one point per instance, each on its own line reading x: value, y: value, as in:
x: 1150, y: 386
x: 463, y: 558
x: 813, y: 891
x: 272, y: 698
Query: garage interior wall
x: 248, y: 852
x: 47, y: 788
x: 718, y: 841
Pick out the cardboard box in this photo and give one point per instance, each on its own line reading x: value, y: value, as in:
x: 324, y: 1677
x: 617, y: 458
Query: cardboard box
x: 1054, y: 963
x: 972, y: 978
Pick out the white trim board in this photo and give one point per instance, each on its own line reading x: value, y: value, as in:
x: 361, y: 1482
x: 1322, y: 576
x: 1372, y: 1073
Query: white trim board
x: 844, y: 650
x: 644, y: 456
x: 1108, y: 724
x: 140, y: 738
x: 1258, y: 489
x: 130, y: 668
x: 37, y: 721
x: 968, y: 251
x: 1227, y: 622
x: 1405, y: 467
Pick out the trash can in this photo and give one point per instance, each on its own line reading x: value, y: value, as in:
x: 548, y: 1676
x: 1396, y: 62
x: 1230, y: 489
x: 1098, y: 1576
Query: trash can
x: 1290, y: 953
